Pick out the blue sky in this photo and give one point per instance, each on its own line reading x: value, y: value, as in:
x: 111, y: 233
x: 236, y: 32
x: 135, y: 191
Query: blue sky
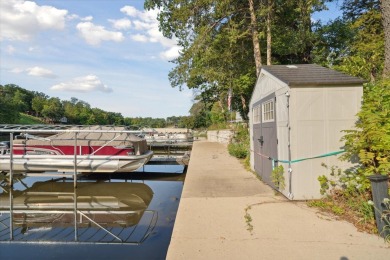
x: 108, y: 53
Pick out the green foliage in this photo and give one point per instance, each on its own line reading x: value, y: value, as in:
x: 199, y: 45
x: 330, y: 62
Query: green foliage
x: 9, y: 113
x: 352, y: 181
x: 53, y: 110
x: 365, y: 57
x: 336, y: 209
x: 277, y: 177
x: 370, y: 141
x: 217, y: 114
x: 347, y: 194
x: 29, y: 120
x: 248, y: 219
x: 217, y: 46
x: 15, y: 100
x: 239, y: 147
x: 332, y: 42
x: 324, y: 184
x: 317, y: 204
x: 200, y: 112
x: 238, y: 150
x: 386, y: 217
x: 368, y: 146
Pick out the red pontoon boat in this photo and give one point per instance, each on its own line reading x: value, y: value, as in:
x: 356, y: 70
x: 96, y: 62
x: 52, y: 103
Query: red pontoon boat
x: 95, y: 149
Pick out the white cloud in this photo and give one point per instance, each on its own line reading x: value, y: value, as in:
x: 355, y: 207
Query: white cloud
x: 87, y: 83
x: 10, y: 49
x: 139, y: 38
x: 17, y: 70
x: 87, y: 18
x: 21, y: 20
x: 171, y: 53
x: 140, y: 25
x: 146, y: 22
x: 121, y: 24
x: 130, y: 11
x: 40, y: 72
x: 94, y: 34
x: 72, y: 17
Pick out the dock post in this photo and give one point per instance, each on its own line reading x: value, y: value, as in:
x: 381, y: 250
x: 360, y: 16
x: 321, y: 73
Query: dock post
x: 11, y: 186
x: 75, y: 187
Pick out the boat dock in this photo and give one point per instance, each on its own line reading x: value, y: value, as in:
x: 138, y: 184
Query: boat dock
x: 225, y: 212
x: 170, y: 146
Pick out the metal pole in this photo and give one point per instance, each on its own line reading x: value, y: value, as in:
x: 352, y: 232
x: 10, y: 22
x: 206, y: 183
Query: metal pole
x: 290, y: 194
x: 11, y: 185
x: 75, y: 187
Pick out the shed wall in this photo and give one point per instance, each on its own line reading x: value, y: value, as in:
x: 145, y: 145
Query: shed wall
x: 318, y: 115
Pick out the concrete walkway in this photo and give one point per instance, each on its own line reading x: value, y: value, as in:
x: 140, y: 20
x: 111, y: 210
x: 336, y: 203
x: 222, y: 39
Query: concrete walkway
x: 222, y: 202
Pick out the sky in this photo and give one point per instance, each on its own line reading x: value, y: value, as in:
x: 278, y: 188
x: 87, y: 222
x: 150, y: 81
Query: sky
x: 108, y: 53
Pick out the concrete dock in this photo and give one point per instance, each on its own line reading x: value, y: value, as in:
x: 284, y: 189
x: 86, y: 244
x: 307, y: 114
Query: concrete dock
x: 225, y: 212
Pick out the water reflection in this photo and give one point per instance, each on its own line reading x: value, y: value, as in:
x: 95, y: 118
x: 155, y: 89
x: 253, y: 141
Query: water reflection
x: 104, y: 210
x: 114, y: 213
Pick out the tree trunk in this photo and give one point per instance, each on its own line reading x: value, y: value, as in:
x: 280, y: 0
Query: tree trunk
x: 269, y: 34
x: 255, y: 38
x: 385, y: 8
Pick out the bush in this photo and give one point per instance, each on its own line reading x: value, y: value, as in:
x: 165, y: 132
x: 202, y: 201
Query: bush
x: 370, y: 141
x: 239, y: 147
x: 238, y: 150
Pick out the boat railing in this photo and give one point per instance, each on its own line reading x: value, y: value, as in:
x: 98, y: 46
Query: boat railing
x: 13, y: 130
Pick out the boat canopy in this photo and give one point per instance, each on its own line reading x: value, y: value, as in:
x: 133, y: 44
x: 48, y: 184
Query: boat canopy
x: 91, y: 136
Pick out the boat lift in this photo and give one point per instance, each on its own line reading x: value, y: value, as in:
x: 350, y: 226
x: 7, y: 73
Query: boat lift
x: 50, y: 130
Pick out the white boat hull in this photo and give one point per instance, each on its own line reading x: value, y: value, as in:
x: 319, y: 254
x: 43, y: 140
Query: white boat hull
x: 65, y: 163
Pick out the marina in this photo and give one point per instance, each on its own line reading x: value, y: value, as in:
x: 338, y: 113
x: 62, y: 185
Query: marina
x: 114, y: 215
x: 124, y: 212
x: 205, y: 212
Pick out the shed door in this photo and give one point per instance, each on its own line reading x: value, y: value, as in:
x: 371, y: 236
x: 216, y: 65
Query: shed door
x: 265, y: 138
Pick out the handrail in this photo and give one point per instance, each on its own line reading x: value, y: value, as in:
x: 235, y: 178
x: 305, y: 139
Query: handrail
x: 7, y: 128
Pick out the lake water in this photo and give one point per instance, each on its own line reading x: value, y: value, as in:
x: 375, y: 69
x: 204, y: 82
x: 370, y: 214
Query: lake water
x: 121, y: 216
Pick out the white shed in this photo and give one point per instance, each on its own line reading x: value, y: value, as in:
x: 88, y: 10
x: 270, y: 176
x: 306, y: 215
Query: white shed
x: 297, y: 115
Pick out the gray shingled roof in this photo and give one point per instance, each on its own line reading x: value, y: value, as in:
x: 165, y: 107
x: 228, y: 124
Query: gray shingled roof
x: 310, y: 74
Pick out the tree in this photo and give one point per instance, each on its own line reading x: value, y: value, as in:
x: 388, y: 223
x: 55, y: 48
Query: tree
x: 53, y: 110
x: 187, y: 122
x: 200, y: 114
x: 38, y: 103
x: 365, y: 57
x: 332, y: 42
x: 385, y: 9
x: 19, y: 100
x: 370, y: 140
x: 9, y: 113
x: 221, y: 41
x: 270, y: 7
x: 255, y: 38
x: 353, y: 9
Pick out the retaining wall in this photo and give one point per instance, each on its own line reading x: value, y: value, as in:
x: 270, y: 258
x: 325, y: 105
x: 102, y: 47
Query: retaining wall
x: 220, y: 136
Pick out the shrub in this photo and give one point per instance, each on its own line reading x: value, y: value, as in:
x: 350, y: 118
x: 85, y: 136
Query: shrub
x: 239, y: 147
x: 370, y: 141
x: 238, y: 150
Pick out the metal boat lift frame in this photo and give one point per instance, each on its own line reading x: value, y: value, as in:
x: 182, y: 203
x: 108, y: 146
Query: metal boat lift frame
x: 53, y: 129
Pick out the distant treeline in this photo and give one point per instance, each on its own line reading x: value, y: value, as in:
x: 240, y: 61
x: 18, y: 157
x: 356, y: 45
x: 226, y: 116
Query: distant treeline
x: 15, y: 100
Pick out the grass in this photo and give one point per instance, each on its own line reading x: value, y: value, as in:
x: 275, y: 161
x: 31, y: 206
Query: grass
x: 353, y: 209
x: 248, y: 220
x: 29, y: 120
